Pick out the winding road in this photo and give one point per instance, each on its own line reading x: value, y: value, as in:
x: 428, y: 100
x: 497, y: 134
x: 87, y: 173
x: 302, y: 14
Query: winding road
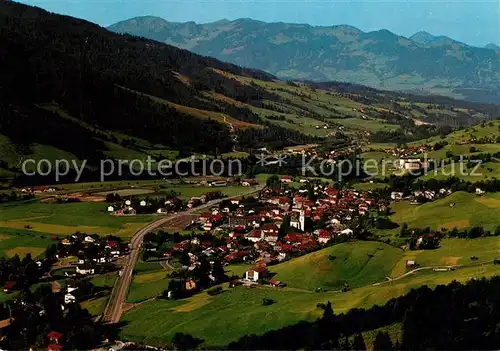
x: 114, y: 308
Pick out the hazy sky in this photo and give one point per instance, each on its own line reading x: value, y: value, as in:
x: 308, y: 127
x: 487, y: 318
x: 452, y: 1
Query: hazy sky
x: 476, y: 22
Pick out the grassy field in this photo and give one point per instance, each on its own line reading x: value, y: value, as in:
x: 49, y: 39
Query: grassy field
x: 150, y: 280
x: 262, y: 177
x: 355, y: 263
x: 97, y: 305
x: 236, y: 312
x: 369, y: 125
x: 110, y: 185
x: 127, y: 192
x: 369, y: 186
x: 64, y: 219
x: 187, y: 191
x: 13, y: 155
x: 452, y: 252
x: 469, y: 210
x: 485, y: 171
x: 490, y: 129
x: 21, y: 241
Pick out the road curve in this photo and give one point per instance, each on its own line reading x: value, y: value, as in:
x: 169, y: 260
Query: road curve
x: 113, y: 310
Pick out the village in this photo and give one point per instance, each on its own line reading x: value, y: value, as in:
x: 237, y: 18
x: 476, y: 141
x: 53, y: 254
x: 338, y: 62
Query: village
x: 277, y: 225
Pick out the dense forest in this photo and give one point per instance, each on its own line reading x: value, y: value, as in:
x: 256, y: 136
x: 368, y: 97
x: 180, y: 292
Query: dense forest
x: 106, y: 80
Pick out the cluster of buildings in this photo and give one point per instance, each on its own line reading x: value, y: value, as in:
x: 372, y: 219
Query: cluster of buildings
x: 280, y: 224
x: 38, y: 190
x: 409, y: 151
x: 417, y: 195
x: 92, y: 251
x: 132, y: 207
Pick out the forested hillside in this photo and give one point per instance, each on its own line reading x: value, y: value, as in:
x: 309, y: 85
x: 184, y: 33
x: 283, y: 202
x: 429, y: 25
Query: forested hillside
x: 83, y: 68
x: 71, y: 88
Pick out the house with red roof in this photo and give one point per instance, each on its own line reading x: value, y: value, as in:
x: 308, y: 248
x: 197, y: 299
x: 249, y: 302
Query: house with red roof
x: 256, y: 273
x: 111, y: 244
x: 255, y: 235
x: 54, y: 336
x: 204, y: 217
x: 324, y: 236
x: 286, y: 179
x: 9, y: 285
x: 291, y: 238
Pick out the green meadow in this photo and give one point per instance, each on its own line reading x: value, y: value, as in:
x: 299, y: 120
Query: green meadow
x: 149, y: 280
x: 239, y: 311
x: 460, y: 210
x: 354, y: 263
x: 68, y: 218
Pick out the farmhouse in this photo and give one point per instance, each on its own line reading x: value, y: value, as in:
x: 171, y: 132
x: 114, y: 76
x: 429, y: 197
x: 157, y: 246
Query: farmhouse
x: 347, y: 231
x: 218, y: 183
x: 69, y: 298
x: 85, y: 269
x: 256, y: 273
x: 396, y: 195
x: 410, y: 264
x: 480, y: 191
x: 249, y: 182
x: 89, y: 239
x: 8, y: 286
x: 413, y: 164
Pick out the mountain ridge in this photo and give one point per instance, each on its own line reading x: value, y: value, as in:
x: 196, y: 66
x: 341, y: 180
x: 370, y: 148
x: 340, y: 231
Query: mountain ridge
x: 380, y: 59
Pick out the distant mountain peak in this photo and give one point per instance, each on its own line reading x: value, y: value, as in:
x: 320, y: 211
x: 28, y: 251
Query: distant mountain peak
x: 426, y: 38
x: 381, y: 58
x: 139, y: 22
x: 492, y: 46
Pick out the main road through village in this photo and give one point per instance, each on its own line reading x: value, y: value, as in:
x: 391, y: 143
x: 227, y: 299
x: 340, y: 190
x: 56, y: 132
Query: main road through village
x: 114, y: 308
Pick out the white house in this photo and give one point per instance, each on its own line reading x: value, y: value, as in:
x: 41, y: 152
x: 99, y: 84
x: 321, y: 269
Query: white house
x: 347, y: 232
x: 335, y: 221
x: 480, y: 191
x: 256, y: 273
x: 111, y: 209
x: 85, y: 270
x: 396, y: 195
x: 142, y: 203
x: 89, y: 239
x: 128, y: 203
x: 69, y: 298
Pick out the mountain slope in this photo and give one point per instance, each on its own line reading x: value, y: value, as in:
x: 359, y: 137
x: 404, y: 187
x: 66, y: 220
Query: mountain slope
x: 492, y: 47
x: 82, y: 67
x: 299, y: 51
x: 70, y: 87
